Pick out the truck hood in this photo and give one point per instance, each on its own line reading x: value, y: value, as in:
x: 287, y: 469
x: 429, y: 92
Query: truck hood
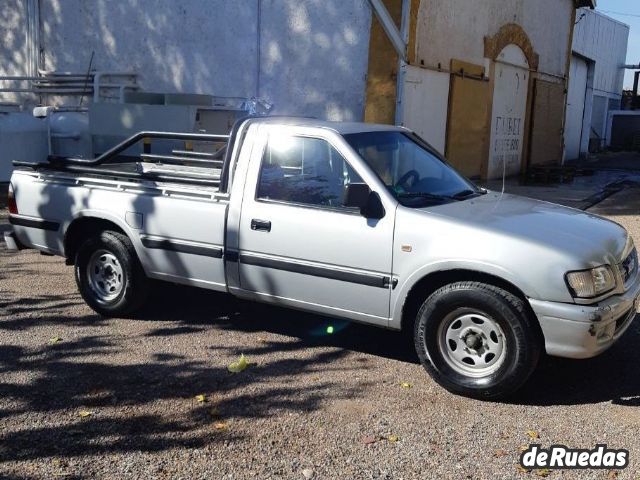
x: 590, y: 238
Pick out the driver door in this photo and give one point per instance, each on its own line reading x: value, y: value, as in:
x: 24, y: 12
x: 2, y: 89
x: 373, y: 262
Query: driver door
x: 298, y: 244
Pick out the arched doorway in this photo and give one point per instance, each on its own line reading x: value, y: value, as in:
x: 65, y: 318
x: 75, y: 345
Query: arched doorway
x: 508, y: 113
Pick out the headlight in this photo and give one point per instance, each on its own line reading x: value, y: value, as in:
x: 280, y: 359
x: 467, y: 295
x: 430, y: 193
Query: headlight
x: 591, y: 283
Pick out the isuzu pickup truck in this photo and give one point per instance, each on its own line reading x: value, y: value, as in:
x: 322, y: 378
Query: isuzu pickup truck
x: 364, y: 222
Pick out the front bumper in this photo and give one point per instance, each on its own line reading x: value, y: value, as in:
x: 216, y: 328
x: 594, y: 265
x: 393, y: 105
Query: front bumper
x: 584, y: 331
x: 12, y: 242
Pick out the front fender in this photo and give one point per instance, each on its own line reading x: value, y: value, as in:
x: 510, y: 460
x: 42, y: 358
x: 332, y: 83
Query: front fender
x: 401, y: 292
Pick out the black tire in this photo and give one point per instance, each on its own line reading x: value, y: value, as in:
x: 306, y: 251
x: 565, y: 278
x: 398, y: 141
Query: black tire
x: 134, y: 288
x: 520, y: 342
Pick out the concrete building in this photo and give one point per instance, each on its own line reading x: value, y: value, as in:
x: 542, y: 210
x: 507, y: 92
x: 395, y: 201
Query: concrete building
x: 595, y: 80
x: 305, y: 57
x: 483, y: 81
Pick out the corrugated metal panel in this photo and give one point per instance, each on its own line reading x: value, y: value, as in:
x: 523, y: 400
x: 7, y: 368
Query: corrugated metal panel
x: 604, y: 41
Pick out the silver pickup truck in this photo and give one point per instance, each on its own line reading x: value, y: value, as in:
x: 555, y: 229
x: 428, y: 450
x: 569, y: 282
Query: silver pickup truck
x: 364, y: 222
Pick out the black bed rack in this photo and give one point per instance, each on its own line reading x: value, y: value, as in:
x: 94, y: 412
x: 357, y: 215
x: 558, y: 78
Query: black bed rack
x: 218, y: 159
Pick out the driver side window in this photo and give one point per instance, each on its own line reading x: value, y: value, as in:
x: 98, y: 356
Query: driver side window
x: 304, y: 170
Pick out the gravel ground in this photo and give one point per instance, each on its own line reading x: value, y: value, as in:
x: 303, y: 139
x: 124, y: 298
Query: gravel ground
x: 85, y: 397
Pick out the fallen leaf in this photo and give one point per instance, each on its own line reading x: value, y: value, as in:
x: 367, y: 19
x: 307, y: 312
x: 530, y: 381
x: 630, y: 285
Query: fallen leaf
x: 393, y: 438
x: 613, y: 474
x: 220, y: 426
x: 500, y: 453
x: 85, y: 413
x: 201, y: 398
x: 406, y: 385
x: 521, y: 469
x: 543, y: 472
x: 523, y: 448
x: 240, y: 365
x: 55, y: 340
x: 369, y: 440
x: 533, y: 434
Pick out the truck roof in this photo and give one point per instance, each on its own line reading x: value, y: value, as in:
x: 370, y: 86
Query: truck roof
x: 342, y: 128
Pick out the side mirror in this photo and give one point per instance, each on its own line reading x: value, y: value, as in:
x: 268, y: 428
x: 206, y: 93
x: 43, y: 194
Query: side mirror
x: 356, y: 195
x: 360, y: 196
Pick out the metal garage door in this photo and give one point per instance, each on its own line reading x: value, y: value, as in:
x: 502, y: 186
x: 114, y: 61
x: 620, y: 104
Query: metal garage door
x: 425, y: 104
x: 575, y: 107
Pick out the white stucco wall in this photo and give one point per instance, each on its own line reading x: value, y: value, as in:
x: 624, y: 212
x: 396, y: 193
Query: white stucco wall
x: 308, y: 58
x: 13, y: 48
x: 456, y: 29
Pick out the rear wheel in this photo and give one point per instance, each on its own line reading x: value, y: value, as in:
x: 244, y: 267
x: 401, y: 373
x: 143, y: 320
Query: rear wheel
x: 477, y: 340
x: 109, y: 275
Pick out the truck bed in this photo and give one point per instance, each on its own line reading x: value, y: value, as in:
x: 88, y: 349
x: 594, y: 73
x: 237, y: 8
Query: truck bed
x: 179, y: 166
x: 166, y: 221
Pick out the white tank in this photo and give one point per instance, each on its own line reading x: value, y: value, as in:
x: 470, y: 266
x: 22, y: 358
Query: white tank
x: 70, y: 135
x: 22, y: 137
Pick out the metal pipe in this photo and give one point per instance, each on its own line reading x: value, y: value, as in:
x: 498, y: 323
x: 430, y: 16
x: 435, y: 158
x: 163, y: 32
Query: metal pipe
x: 390, y: 28
x: 122, y: 146
x: 191, y: 153
x: 217, y: 155
x: 98, y: 76
x: 402, y: 62
x: 119, y: 173
x: 37, y: 36
x: 636, y: 81
x: 631, y: 67
x: 50, y: 73
x: 171, y: 159
x: 16, y: 90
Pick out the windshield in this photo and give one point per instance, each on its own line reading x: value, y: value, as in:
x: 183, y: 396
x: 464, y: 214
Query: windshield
x: 410, y: 169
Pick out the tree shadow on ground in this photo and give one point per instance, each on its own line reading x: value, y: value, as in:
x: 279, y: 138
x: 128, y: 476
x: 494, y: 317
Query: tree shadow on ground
x: 610, y: 377
x: 557, y: 381
x: 89, y: 374
x: 197, y: 308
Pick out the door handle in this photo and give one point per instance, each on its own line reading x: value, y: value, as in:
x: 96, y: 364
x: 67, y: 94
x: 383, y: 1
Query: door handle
x: 261, y: 225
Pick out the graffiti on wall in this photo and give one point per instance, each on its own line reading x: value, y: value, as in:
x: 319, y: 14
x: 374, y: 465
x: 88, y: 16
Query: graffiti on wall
x: 507, y: 142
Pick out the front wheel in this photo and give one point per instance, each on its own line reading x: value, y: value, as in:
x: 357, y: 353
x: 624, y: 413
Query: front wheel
x: 109, y: 275
x: 477, y: 340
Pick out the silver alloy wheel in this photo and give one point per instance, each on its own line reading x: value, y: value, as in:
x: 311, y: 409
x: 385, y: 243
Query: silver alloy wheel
x: 105, y: 275
x: 472, y: 343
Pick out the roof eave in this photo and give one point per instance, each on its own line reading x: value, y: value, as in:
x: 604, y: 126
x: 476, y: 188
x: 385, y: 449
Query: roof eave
x: 586, y: 3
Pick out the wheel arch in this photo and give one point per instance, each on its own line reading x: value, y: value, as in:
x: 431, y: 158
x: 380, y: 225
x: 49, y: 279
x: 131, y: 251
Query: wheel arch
x: 431, y: 282
x: 87, y: 224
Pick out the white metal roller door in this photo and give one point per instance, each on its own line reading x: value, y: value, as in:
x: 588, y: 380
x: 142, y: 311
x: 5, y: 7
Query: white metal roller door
x: 575, y: 107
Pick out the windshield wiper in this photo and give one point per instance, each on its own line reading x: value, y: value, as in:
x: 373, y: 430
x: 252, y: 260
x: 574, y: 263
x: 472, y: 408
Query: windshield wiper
x: 430, y: 196
x: 464, y: 194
